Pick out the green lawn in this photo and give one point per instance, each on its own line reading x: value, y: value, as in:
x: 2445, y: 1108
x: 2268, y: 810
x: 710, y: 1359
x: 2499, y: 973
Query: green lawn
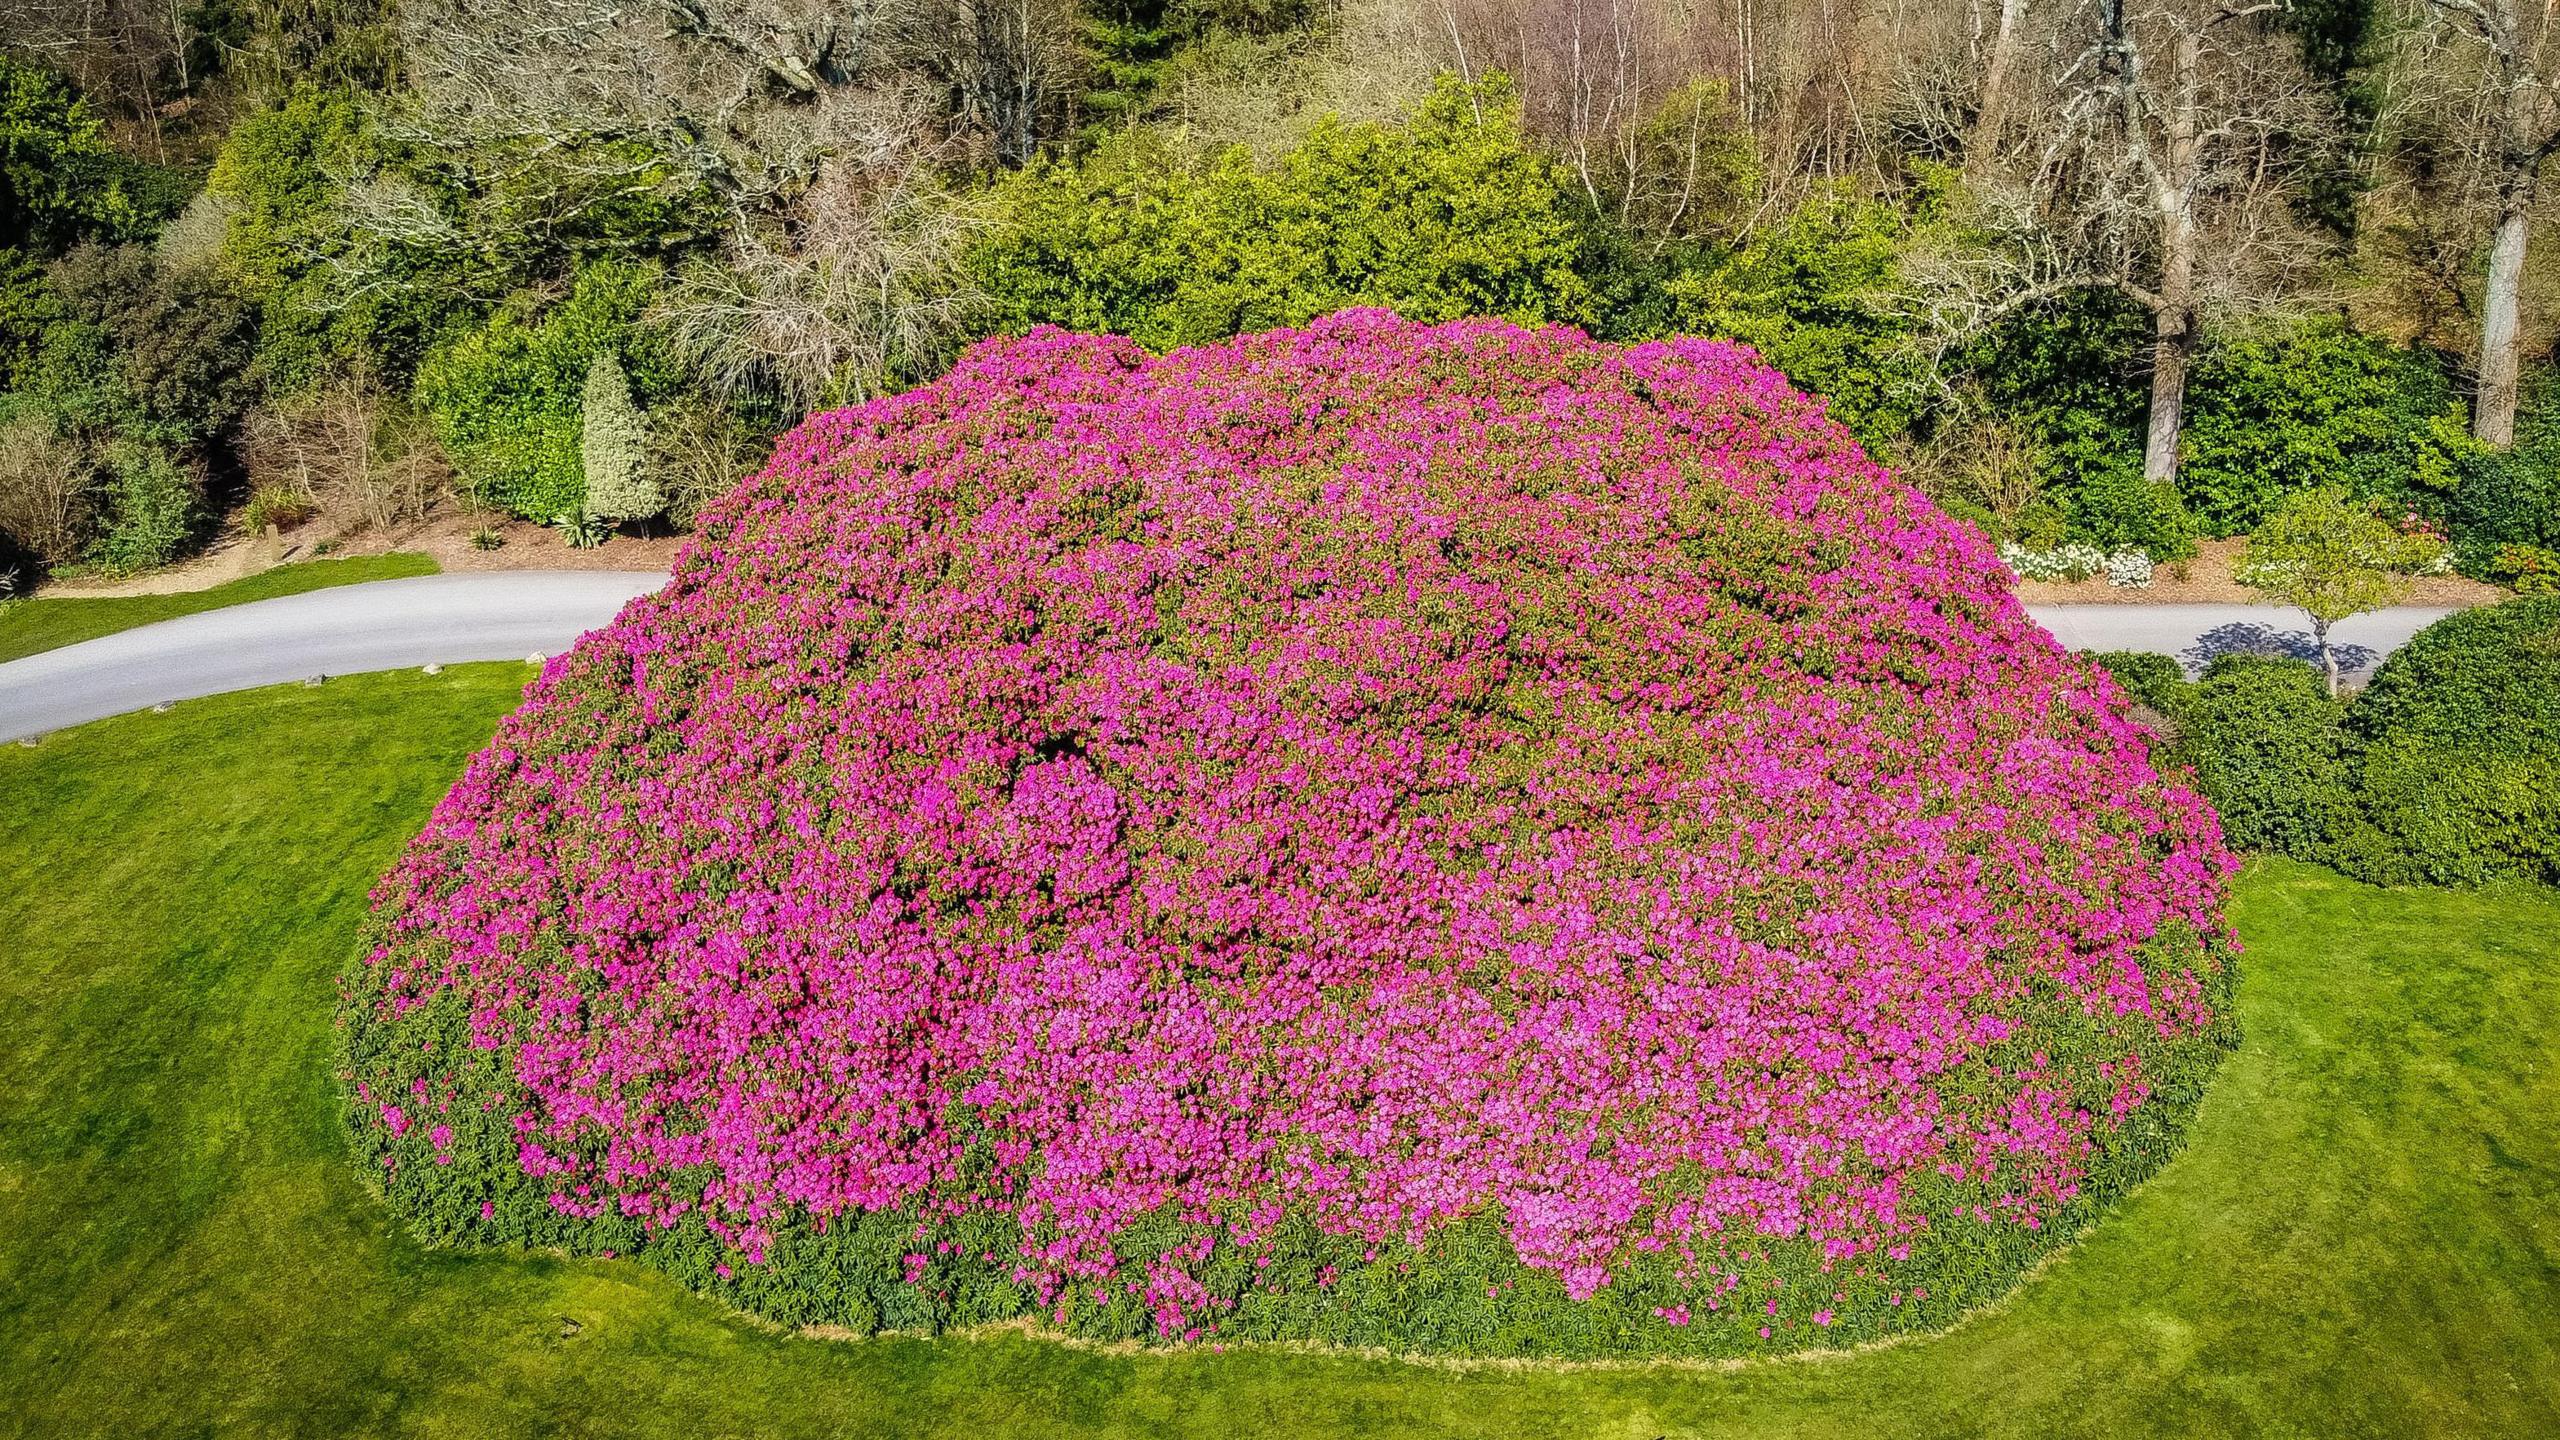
x: 46, y: 623
x: 2364, y: 1238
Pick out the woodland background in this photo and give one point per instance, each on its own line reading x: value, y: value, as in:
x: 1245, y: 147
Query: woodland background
x: 2122, y: 273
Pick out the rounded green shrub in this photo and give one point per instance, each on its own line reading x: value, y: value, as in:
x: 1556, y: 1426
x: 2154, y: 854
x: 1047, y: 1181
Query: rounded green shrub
x: 2456, y: 751
x: 2152, y: 678
x: 2116, y: 509
x: 2267, y: 747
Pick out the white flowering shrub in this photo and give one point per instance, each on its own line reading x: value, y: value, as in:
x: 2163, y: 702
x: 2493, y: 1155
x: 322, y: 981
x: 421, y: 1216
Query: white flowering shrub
x: 2063, y: 562
x: 2129, y: 570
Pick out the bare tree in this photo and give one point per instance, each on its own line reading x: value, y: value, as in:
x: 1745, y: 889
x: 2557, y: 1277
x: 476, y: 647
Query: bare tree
x: 2166, y: 172
x: 804, y: 135
x: 2491, y: 80
x: 1007, y: 64
x: 1650, y: 102
x: 863, y: 286
x: 129, y: 56
x: 575, y: 104
x: 47, y: 482
x: 339, y: 449
x: 1990, y: 123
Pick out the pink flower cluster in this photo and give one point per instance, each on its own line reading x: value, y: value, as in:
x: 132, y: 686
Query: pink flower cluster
x: 1376, y: 773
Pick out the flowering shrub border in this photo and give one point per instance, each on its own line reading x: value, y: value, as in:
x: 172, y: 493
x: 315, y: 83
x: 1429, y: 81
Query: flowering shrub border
x: 1454, y: 838
x: 2074, y: 561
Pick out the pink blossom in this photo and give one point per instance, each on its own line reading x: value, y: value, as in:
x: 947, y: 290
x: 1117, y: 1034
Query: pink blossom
x: 1377, y: 773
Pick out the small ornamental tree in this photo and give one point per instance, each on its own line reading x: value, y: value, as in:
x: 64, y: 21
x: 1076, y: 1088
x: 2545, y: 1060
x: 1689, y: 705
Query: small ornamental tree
x: 2331, y: 558
x: 613, y: 446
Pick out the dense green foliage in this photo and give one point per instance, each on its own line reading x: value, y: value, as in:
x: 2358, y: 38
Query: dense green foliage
x: 59, y: 179
x: 1809, y: 293
x: 2506, y: 508
x: 141, y: 366
x: 2266, y: 742
x: 2152, y: 679
x: 146, y: 352
x: 2445, y: 770
x: 189, y: 1252
x: 2282, y: 410
x: 278, y: 178
x: 1437, y: 219
x: 150, y: 510
x: 2457, y: 751
x: 505, y: 395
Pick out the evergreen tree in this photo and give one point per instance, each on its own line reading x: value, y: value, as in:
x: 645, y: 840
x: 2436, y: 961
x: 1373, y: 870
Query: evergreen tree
x: 614, y: 446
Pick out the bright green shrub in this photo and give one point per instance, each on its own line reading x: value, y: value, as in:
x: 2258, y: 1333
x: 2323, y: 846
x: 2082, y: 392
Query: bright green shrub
x: 2156, y: 680
x: 286, y: 240
x: 59, y: 180
x: 1437, y: 218
x: 151, y: 510
x: 505, y: 397
x: 274, y: 178
x: 2275, y: 411
x: 1807, y: 293
x: 2267, y: 746
x: 2456, y: 751
x: 613, y: 447
x: 2114, y: 508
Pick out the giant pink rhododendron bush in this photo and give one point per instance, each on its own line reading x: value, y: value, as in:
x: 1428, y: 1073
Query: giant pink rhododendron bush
x: 1458, y: 838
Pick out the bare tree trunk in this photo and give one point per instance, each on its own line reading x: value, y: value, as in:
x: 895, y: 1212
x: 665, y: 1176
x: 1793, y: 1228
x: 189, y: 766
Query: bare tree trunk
x: 2173, y: 309
x: 2493, y: 412
x: 2172, y: 346
x: 2521, y: 72
x: 1991, y: 114
x: 2328, y: 657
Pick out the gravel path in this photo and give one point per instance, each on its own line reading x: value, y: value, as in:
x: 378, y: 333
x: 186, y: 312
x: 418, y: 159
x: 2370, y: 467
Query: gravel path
x: 444, y: 619
x: 2195, y: 634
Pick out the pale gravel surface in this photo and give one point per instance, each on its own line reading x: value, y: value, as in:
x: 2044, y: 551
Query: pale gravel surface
x: 446, y: 619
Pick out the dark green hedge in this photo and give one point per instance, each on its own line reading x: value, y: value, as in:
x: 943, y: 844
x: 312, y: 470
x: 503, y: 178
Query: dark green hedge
x: 2456, y: 750
x: 2267, y: 743
x: 2446, y: 770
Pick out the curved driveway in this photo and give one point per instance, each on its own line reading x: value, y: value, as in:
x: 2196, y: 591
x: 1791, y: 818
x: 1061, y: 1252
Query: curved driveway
x: 503, y: 615
x: 382, y: 625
